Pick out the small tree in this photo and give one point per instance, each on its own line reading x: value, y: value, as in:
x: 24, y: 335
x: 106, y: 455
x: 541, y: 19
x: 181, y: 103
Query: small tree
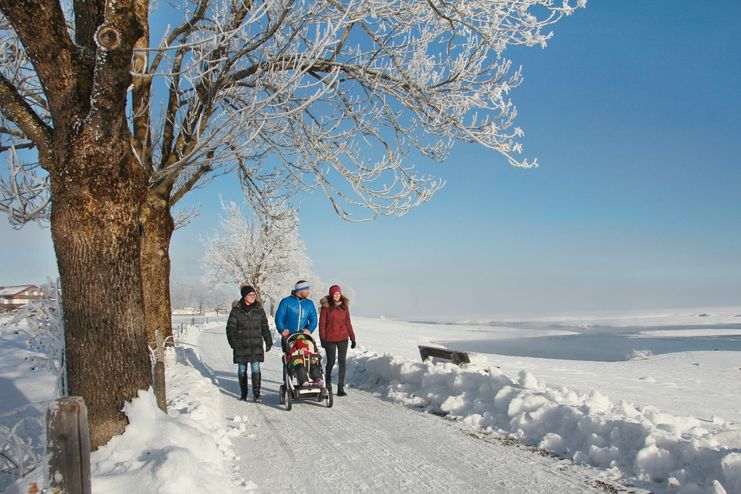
x: 264, y: 251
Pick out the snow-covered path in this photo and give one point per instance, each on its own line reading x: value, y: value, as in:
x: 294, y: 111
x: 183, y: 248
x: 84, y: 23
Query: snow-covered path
x: 366, y: 444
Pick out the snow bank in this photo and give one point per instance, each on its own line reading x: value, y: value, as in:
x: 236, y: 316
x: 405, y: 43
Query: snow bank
x: 681, y: 454
x: 165, y: 453
x: 187, y: 450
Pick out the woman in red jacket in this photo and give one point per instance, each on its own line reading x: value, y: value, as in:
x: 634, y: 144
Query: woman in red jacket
x: 335, y: 329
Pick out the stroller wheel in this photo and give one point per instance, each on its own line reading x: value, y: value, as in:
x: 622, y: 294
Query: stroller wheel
x: 289, y: 400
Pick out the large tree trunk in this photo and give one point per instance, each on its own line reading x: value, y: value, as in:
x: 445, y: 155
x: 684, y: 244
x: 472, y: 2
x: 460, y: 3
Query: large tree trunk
x: 98, y: 187
x: 97, y: 194
x: 157, y: 228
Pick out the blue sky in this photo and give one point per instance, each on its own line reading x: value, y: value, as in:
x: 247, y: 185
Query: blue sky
x: 634, y: 113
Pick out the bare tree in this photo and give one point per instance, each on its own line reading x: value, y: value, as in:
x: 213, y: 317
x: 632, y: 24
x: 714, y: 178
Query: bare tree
x: 333, y: 94
x: 265, y: 252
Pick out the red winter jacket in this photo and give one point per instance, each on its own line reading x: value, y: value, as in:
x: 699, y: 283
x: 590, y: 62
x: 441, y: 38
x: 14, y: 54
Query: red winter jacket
x: 334, y: 322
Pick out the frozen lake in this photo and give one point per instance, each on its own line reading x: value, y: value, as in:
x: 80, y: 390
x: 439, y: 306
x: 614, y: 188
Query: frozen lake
x: 608, y: 344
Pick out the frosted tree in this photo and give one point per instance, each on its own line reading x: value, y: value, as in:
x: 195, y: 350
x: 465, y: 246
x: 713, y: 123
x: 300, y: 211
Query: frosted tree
x: 40, y: 323
x: 265, y: 252
x: 106, y: 131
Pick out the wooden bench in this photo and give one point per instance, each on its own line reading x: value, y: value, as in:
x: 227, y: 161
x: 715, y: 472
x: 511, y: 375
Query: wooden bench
x: 458, y: 358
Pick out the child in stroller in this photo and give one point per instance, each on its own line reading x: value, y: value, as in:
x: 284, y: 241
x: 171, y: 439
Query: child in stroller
x: 302, y: 352
x: 301, y: 361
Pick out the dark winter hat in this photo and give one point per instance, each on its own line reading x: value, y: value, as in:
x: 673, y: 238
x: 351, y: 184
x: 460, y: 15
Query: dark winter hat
x: 334, y: 289
x: 245, y: 290
x: 301, y: 285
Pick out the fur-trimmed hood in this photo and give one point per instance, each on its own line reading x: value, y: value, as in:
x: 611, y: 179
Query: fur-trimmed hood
x: 325, y: 301
x: 235, y: 304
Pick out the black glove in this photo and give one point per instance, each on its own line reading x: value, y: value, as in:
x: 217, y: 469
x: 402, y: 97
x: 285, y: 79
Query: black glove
x: 268, y: 347
x: 352, y: 344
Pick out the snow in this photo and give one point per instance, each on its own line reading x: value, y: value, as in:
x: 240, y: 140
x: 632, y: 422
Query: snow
x: 688, y: 333
x: 633, y: 441
x: 185, y: 450
x: 18, y: 386
x: 665, y: 422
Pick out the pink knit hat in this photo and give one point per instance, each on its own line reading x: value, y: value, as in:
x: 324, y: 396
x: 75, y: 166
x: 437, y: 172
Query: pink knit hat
x: 334, y: 289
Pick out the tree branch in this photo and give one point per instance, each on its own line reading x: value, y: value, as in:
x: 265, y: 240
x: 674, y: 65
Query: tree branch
x: 23, y: 145
x: 142, y: 92
x: 341, y: 42
x: 183, y: 29
x: 41, y: 27
x: 89, y: 14
x: 18, y: 111
x: 190, y: 183
x: 168, y: 134
x: 116, y: 40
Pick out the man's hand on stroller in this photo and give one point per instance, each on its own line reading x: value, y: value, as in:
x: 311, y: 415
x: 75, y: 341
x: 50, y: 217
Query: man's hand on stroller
x: 306, y: 331
x: 284, y: 332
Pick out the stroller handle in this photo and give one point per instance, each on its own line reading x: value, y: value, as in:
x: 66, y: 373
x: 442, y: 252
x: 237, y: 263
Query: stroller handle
x: 292, y: 337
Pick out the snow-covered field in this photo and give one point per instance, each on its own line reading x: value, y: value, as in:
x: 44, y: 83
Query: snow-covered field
x: 627, y: 402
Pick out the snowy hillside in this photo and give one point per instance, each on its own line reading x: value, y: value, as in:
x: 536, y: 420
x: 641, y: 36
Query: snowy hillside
x: 661, y: 422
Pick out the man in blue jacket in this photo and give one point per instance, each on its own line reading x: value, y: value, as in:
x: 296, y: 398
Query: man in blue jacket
x: 296, y: 313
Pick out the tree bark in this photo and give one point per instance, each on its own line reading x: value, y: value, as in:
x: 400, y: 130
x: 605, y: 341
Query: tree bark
x: 97, y: 195
x: 157, y: 228
x: 98, y: 188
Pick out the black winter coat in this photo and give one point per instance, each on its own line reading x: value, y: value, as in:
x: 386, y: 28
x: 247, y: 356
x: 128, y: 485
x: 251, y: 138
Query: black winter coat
x: 246, y: 330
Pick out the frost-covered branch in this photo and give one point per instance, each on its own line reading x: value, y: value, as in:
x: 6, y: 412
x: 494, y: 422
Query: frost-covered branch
x: 42, y: 322
x: 21, y: 430
x: 20, y: 450
x: 24, y: 193
x: 25, y: 125
x: 341, y: 95
x: 183, y: 217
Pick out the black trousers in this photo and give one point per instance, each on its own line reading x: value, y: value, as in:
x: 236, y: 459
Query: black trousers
x: 338, y: 351
x: 302, y: 376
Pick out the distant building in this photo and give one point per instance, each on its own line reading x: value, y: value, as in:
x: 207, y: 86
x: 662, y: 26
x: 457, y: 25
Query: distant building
x: 12, y: 297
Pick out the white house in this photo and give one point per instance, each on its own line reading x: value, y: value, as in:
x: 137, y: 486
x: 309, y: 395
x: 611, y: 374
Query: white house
x: 12, y: 297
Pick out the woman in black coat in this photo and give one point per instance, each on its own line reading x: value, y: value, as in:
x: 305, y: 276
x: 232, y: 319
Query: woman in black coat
x: 246, y: 329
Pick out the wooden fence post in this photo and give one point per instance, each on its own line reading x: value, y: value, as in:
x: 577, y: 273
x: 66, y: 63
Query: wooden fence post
x: 160, y: 389
x: 68, y: 440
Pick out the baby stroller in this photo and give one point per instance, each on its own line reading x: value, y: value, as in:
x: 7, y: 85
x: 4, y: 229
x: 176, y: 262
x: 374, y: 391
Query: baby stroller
x: 290, y: 390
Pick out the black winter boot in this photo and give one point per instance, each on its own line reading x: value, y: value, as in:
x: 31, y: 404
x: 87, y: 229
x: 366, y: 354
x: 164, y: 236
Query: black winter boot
x: 256, y: 378
x: 242, y: 386
x: 341, y: 382
x: 328, y: 377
